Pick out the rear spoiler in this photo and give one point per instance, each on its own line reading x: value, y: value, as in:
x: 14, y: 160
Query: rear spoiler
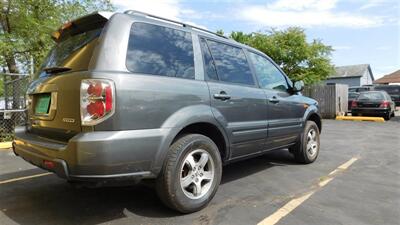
x: 89, y: 22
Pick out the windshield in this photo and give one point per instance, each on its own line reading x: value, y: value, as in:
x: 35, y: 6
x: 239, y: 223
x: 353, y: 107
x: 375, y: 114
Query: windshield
x: 371, y: 96
x: 59, y: 55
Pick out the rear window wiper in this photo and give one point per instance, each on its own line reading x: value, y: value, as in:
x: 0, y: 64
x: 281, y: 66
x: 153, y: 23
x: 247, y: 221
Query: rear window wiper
x: 54, y: 70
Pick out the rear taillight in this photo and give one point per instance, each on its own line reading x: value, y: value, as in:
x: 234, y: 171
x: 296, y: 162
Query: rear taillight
x: 97, y: 100
x: 353, y: 104
x: 384, y: 104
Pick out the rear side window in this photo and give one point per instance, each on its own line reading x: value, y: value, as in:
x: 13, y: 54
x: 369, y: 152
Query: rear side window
x: 158, y: 50
x: 268, y: 75
x: 231, y: 63
x: 210, y: 70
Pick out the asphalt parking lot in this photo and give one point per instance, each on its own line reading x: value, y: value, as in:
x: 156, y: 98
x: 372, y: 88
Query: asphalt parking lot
x: 271, y: 188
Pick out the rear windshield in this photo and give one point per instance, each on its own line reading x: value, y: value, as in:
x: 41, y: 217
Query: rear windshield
x: 395, y: 90
x: 371, y: 96
x: 59, y: 55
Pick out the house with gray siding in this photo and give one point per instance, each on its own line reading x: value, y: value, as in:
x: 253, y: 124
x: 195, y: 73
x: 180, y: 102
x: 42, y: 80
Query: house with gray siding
x: 352, y: 75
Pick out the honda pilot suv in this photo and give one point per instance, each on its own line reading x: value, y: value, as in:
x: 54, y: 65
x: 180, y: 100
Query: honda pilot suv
x: 132, y: 96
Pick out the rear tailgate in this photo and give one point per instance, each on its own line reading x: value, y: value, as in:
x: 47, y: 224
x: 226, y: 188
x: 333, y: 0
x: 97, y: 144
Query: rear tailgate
x: 53, y: 107
x: 53, y: 98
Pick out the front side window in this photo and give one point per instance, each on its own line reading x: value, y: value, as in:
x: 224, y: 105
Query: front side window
x: 231, y: 63
x: 268, y: 75
x: 158, y: 50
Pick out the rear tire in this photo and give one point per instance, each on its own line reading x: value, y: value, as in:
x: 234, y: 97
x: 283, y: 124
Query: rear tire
x: 191, y: 174
x: 388, y: 116
x: 306, y: 149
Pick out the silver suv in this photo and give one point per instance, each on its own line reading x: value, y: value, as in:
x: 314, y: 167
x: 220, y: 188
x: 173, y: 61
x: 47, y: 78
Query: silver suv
x: 131, y: 96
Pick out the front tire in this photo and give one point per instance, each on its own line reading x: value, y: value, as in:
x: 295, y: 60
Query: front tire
x: 306, y: 149
x: 191, y: 174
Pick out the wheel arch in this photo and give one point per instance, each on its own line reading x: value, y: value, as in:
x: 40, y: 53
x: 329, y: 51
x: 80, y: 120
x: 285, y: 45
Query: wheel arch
x: 193, y: 119
x: 209, y: 130
x: 316, y: 118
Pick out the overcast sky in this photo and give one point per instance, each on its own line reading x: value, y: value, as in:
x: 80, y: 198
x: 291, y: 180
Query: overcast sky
x: 360, y: 31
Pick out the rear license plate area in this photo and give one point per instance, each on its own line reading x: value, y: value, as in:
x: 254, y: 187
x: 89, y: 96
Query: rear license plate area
x: 42, y: 104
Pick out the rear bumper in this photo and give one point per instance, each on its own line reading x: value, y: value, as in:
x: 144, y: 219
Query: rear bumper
x: 370, y: 111
x: 95, y: 156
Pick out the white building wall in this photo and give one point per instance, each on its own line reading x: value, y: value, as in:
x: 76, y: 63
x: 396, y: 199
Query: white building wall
x: 366, y: 78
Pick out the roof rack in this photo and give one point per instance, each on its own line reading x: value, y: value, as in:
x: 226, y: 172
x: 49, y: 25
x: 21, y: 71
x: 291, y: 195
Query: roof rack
x: 135, y: 12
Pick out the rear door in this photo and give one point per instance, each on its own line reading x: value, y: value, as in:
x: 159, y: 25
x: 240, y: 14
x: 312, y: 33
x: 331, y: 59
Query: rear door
x: 53, y: 98
x: 237, y: 103
x: 285, y: 110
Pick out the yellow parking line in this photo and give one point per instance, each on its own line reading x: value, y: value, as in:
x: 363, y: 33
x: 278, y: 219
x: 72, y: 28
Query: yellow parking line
x: 286, y: 209
x: 294, y: 203
x: 23, y: 178
x: 5, y: 145
x: 361, y: 118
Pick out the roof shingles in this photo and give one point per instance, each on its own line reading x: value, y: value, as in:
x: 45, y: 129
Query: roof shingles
x: 350, y: 71
x: 390, y: 78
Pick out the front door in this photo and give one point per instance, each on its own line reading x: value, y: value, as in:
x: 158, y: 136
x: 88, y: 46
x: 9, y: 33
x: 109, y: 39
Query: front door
x: 237, y: 103
x: 285, y: 110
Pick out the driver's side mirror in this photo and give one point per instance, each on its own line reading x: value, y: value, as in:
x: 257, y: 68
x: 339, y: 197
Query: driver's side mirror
x: 298, y: 86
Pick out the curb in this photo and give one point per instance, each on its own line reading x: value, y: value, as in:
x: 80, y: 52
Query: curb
x: 361, y: 118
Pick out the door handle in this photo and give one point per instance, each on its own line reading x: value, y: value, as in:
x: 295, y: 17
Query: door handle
x: 274, y: 100
x: 222, y: 96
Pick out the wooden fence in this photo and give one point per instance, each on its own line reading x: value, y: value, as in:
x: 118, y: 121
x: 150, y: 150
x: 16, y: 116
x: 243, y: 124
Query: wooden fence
x: 332, y: 99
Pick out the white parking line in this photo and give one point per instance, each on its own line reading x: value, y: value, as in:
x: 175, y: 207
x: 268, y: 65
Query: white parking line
x: 24, y: 178
x: 294, y: 203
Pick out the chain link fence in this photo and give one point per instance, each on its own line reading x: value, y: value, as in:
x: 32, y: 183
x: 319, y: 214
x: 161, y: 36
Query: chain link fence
x: 12, y: 103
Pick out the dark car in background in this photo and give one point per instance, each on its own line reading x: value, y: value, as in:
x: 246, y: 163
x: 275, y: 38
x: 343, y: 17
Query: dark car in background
x: 360, y: 88
x: 351, y: 97
x: 392, y: 90
x: 373, y: 103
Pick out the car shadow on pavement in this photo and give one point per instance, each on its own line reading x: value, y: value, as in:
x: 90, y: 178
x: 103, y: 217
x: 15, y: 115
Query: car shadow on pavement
x: 21, y: 173
x: 395, y: 119
x: 250, y: 166
x: 50, y: 200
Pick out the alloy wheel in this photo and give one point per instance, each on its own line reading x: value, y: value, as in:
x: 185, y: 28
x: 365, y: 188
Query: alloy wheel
x: 197, y: 174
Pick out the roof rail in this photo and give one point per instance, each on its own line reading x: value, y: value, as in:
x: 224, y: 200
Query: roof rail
x: 135, y: 12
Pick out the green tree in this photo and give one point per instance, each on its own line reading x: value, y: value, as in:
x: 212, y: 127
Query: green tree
x: 241, y: 37
x: 1, y: 87
x: 26, y: 27
x: 220, y: 32
x: 289, y: 48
